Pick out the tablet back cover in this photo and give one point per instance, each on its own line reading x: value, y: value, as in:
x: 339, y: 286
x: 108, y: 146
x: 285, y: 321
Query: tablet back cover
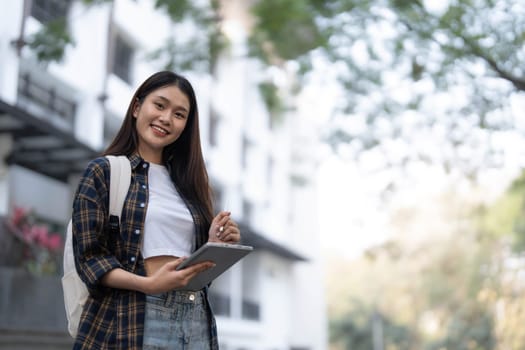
x: 224, y: 255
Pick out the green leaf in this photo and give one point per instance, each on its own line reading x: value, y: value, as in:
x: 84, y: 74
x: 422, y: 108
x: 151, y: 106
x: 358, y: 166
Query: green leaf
x: 274, y: 103
x: 49, y: 44
x: 285, y: 29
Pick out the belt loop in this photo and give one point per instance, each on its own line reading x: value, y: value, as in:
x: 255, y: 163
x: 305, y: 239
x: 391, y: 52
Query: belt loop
x: 167, y: 299
x: 170, y: 298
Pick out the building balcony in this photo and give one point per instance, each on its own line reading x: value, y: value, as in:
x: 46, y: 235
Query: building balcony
x: 46, y: 101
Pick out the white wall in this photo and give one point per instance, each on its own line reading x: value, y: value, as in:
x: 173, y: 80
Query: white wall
x: 276, y: 314
x: 49, y: 198
x: 9, y: 31
x: 310, y: 326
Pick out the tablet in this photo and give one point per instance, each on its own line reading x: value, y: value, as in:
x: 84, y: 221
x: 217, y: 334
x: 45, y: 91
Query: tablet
x: 224, y: 255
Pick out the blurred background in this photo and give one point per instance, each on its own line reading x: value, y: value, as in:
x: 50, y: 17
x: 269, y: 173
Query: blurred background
x: 372, y: 151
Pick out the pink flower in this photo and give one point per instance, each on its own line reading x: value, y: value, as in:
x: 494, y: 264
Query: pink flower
x: 39, y: 234
x: 54, y: 242
x: 27, y: 233
x: 19, y: 214
x: 37, y: 240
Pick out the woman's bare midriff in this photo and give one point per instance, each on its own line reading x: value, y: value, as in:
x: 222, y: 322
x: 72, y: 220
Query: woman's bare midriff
x: 154, y: 263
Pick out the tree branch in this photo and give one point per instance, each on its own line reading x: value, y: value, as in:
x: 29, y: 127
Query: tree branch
x: 518, y: 83
x: 475, y: 50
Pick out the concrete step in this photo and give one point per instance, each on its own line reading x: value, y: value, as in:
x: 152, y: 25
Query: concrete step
x: 34, y: 340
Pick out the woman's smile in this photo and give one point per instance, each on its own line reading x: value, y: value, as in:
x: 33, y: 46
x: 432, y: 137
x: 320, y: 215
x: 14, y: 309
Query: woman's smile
x: 159, y: 131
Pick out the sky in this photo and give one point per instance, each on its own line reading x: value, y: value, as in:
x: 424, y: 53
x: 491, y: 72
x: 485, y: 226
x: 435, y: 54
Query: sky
x: 350, y: 215
x: 354, y: 216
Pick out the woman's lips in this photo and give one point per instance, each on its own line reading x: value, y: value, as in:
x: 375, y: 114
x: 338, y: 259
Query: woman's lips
x: 159, y: 131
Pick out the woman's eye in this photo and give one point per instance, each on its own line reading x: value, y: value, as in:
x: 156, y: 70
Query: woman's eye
x: 159, y: 106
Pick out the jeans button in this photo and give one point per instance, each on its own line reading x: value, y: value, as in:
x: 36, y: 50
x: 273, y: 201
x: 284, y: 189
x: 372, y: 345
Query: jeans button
x: 192, y: 297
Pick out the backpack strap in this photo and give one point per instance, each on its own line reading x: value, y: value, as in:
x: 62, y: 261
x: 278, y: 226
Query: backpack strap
x: 75, y: 291
x: 120, y: 179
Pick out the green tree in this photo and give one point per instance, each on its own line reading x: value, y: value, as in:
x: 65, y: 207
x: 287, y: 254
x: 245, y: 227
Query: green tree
x: 502, y: 223
x: 357, y: 330
x: 446, y: 71
x: 437, y: 281
x: 196, y: 53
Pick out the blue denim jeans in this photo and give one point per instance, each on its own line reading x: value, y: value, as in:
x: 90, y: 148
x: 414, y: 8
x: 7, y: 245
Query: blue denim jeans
x: 177, y: 320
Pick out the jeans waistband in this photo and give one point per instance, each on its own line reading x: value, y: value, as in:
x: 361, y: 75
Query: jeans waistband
x: 177, y: 297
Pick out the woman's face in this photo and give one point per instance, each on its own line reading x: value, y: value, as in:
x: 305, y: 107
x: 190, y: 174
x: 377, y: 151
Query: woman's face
x: 161, y: 118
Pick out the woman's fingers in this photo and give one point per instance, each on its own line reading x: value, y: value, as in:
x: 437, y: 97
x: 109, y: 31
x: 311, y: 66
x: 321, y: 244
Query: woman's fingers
x: 170, y: 278
x: 220, y: 221
x: 193, y: 270
x: 232, y: 237
x: 224, y: 228
x: 230, y: 233
x: 197, y: 268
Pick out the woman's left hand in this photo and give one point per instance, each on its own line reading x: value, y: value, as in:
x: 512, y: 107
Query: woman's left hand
x: 224, y: 229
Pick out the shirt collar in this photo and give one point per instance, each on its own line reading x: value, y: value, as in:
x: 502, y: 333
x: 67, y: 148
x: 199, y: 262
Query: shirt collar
x: 135, y: 160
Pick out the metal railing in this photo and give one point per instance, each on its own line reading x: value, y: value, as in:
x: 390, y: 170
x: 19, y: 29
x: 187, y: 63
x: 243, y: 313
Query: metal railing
x: 48, y: 98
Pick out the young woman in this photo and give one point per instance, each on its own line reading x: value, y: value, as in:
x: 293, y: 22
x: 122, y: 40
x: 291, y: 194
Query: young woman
x: 136, y: 296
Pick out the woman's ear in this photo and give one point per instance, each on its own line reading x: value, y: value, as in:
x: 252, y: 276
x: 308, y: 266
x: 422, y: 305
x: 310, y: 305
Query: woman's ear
x: 136, y: 107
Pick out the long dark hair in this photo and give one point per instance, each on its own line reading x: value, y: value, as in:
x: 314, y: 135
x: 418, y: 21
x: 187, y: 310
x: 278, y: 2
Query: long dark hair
x: 183, y: 157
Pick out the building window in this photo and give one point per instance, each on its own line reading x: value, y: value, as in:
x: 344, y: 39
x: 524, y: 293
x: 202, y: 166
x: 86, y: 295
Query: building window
x: 246, y: 145
x: 250, y: 303
x: 250, y: 310
x: 217, y: 197
x: 269, y: 171
x: 122, y: 59
x: 220, y: 303
x: 214, y: 125
x: 247, y: 211
x: 49, y: 10
x: 219, y: 295
x: 112, y: 125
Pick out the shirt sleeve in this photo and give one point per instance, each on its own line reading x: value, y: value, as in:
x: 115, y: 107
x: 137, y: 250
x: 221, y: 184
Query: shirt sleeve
x: 93, y: 257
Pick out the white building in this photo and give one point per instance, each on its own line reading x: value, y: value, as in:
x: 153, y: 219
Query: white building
x: 55, y: 117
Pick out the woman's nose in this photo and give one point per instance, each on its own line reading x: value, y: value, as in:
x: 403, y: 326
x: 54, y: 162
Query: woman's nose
x: 165, y: 116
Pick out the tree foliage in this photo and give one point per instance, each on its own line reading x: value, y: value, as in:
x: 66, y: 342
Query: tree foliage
x: 357, y: 330
x: 411, y: 71
x: 506, y: 217
x: 51, y: 41
x: 285, y: 30
x: 452, y: 274
x: 198, y: 52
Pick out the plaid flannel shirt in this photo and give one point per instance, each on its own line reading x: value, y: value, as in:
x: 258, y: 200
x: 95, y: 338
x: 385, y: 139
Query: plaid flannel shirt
x: 114, y: 318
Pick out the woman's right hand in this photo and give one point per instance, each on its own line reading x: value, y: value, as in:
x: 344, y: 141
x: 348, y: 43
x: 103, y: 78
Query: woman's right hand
x: 167, y: 277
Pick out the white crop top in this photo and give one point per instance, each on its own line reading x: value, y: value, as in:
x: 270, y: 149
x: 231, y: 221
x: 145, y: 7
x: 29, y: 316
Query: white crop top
x: 168, y: 227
